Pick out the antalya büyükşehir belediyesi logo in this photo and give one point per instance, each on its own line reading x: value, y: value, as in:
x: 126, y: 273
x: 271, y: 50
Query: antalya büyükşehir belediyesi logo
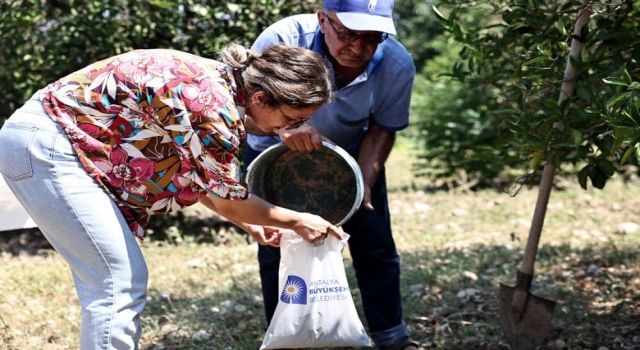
x: 294, y: 291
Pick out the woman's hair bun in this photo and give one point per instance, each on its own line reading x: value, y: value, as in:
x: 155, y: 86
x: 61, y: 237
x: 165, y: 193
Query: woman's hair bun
x: 237, y: 56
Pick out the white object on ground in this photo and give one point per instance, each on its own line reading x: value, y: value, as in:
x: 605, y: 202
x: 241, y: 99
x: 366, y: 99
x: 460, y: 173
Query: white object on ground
x: 12, y: 214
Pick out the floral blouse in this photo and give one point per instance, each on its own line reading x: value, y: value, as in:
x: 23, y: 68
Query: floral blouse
x: 158, y: 129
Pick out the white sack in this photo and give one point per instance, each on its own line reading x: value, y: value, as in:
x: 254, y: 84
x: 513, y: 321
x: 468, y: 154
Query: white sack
x: 315, y: 308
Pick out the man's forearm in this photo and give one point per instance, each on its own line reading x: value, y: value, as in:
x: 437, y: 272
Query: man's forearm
x: 375, y: 149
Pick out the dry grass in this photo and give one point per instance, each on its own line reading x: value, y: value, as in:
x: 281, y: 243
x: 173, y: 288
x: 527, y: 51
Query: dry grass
x: 456, y: 247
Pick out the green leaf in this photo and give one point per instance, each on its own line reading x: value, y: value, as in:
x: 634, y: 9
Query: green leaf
x: 617, y: 98
x: 615, y: 81
x: 583, y: 175
x: 598, y: 178
x: 617, y: 143
x: 470, y: 47
x: 561, y: 27
x: 576, y: 136
x: 626, y: 76
x: 607, y: 167
x: 163, y: 4
x: 626, y: 133
x: 627, y: 154
x: 456, y: 29
x: 537, y: 59
x: 439, y: 15
x: 506, y: 111
x: 536, y: 158
x: 635, y: 111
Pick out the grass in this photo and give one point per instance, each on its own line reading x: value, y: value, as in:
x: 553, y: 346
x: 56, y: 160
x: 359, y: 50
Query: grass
x: 456, y: 247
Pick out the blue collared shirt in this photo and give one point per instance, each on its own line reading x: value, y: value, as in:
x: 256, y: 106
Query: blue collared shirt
x: 381, y: 93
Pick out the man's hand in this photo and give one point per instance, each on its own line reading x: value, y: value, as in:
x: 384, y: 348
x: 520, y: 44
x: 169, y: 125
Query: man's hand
x: 366, y: 199
x: 303, y: 139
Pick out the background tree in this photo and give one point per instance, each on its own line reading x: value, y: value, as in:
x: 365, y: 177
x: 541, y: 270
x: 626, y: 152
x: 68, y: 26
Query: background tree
x: 41, y: 41
x: 417, y: 27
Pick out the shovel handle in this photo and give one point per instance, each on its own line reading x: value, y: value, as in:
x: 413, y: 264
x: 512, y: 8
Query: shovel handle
x: 538, y: 219
x: 525, y: 275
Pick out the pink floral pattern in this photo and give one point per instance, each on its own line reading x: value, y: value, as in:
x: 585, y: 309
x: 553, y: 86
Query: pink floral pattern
x: 158, y: 129
x: 125, y: 172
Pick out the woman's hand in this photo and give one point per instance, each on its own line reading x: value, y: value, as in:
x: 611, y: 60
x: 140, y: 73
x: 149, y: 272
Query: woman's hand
x: 260, y: 219
x: 264, y: 235
x: 304, y: 138
x: 313, y: 228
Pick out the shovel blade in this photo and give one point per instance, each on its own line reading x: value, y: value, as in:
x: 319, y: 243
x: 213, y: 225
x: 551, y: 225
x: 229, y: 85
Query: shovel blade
x: 528, y: 332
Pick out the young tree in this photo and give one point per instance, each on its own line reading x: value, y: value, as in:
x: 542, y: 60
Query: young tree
x: 510, y: 70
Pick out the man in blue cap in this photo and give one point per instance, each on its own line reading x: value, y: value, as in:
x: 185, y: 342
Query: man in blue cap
x: 373, y: 76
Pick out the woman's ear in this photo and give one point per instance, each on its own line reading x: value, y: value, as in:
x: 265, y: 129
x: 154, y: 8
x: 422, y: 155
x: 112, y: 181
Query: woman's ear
x: 258, y: 98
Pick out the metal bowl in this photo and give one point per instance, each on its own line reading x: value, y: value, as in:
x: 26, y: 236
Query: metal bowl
x: 326, y: 182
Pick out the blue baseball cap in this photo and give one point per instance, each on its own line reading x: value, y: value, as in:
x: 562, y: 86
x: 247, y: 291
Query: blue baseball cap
x: 370, y: 15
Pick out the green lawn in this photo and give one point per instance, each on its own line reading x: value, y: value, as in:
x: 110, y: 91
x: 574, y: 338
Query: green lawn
x: 456, y: 247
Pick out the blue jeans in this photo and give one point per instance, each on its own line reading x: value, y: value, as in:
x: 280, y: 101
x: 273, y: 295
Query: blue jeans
x: 375, y: 260
x: 81, y: 222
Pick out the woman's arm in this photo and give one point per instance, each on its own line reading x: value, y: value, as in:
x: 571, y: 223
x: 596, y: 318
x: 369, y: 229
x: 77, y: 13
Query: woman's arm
x: 264, y: 235
x: 254, y: 210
